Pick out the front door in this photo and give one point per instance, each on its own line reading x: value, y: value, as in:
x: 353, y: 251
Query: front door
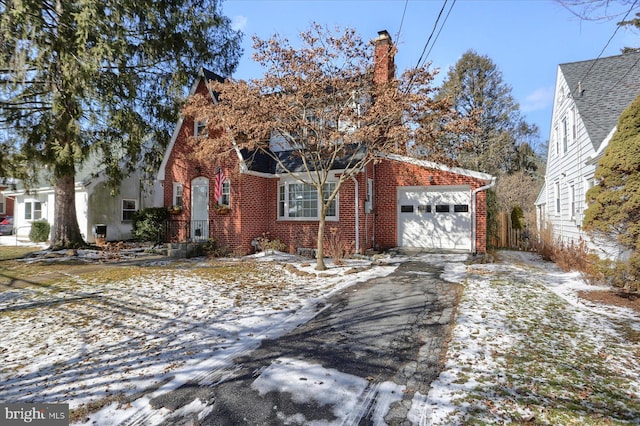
x: 200, y: 209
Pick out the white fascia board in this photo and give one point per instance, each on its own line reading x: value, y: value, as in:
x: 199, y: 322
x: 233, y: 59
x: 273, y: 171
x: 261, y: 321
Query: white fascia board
x: 542, y: 195
x: 438, y: 166
x: 596, y: 157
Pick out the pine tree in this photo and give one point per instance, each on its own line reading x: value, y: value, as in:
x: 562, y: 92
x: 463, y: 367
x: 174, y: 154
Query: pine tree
x: 502, y: 141
x: 614, y: 203
x: 100, y: 76
x: 477, y: 90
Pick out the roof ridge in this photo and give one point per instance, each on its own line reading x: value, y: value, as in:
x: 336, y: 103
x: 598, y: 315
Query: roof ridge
x: 601, y: 58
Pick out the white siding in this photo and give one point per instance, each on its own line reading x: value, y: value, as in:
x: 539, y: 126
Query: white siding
x: 569, y: 170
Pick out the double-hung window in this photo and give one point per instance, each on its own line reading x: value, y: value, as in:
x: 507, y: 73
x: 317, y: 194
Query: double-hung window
x: 177, y: 194
x: 300, y: 201
x: 225, y: 199
x: 33, y: 210
x: 565, y: 135
x: 129, y: 207
x: 572, y: 194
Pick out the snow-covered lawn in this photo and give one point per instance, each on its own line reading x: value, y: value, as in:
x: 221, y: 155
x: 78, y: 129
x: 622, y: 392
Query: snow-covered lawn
x: 524, y: 348
x: 88, y: 342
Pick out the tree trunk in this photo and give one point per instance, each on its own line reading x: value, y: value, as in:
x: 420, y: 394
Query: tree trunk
x: 320, y: 266
x: 66, y: 232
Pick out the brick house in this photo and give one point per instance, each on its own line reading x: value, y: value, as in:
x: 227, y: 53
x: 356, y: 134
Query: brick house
x: 399, y: 201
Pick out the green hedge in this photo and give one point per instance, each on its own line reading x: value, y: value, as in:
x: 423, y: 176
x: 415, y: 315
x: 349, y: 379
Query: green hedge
x: 147, y: 223
x: 39, y: 231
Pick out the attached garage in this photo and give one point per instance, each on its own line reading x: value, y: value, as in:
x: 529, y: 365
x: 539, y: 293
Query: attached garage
x: 435, y: 217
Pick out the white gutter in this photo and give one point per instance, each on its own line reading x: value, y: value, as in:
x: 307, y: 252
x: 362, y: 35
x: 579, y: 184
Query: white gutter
x: 357, y: 206
x: 474, y: 194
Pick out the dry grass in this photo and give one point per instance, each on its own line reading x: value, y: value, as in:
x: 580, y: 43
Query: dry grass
x: 16, y: 252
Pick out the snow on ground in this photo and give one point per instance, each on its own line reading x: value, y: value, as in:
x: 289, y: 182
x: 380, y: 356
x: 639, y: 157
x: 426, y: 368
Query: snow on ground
x: 525, y: 348
x: 79, y: 342
x: 13, y: 240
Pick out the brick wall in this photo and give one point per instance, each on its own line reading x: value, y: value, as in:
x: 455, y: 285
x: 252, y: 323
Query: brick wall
x: 390, y: 174
x: 253, y: 209
x: 296, y: 234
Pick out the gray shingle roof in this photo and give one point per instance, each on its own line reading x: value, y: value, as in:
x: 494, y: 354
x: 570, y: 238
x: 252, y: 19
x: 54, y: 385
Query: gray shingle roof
x: 608, y: 86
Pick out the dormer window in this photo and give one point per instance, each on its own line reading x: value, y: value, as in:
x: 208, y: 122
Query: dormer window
x: 200, y: 128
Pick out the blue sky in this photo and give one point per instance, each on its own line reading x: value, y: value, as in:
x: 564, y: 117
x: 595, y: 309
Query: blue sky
x: 526, y: 39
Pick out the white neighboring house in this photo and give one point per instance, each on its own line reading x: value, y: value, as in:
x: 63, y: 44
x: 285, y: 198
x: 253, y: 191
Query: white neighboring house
x: 95, y: 205
x: 589, y: 98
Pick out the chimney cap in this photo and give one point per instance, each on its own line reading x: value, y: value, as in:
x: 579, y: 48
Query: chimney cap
x: 383, y: 34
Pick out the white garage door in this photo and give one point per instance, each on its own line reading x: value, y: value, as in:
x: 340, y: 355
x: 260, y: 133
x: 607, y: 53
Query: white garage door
x: 435, y: 217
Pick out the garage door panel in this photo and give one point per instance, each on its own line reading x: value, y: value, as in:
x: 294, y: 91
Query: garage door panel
x: 434, y: 217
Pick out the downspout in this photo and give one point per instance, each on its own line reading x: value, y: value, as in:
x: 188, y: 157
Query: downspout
x: 357, y: 215
x: 474, y: 194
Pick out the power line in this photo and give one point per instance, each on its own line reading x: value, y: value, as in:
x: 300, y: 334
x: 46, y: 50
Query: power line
x: 608, y: 42
x: 435, y: 25
x: 406, y: 3
x: 440, y: 30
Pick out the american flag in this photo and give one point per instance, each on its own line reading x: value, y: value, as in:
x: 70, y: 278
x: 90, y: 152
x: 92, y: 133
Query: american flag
x: 217, y: 191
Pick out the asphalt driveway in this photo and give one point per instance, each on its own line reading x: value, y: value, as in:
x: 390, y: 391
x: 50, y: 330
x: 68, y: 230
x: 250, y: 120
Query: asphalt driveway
x: 386, y: 337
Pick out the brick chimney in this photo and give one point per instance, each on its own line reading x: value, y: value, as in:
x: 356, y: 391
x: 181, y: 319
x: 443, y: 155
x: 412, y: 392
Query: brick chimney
x: 384, y: 51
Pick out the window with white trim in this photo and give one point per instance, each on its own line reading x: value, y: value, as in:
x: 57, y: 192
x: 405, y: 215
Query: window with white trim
x: 129, y: 207
x: 200, y: 128
x: 557, y: 196
x: 572, y: 194
x: 177, y: 194
x: 3, y: 204
x: 368, y: 204
x: 589, y: 183
x: 33, y: 210
x: 328, y: 188
x: 226, y: 193
x: 300, y: 201
x: 574, y: 124
x: 565, y: 134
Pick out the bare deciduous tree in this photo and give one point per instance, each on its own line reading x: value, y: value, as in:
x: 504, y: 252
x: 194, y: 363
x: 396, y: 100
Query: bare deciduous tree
x: 334, y: 103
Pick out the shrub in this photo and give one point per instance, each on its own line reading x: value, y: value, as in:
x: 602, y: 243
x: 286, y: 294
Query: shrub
x: 211, y: 248
x: 572, y: 257
x: 517, y: 218
x: 266, y: 244
x: 578, y: 257
x: 493, y: 211
x: 39, y: 231
x: 147, y: 223
x: 338, y: 248
x: 542, y: 242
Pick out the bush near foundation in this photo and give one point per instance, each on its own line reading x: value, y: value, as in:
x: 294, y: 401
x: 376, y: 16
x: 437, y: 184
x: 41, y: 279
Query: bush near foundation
x: 147, y: 223
x: 578, y: 257
x: 39, y: 231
